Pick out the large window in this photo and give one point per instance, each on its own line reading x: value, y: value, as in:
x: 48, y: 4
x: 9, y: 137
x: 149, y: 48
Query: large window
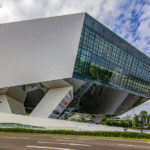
x: 98, y: 58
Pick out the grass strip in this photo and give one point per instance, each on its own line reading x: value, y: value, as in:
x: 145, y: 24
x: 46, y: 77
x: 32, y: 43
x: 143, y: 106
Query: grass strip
x: 132, y: 135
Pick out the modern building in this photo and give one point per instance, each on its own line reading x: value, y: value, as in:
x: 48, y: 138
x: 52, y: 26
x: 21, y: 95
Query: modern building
x: 73, y: 61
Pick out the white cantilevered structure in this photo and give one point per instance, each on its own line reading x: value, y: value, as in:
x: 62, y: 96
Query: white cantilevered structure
x: 36, y: 51
x: 44, y: 62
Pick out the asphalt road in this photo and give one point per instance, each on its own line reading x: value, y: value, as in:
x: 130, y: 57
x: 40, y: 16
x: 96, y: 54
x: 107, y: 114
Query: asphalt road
x: 51, y: 142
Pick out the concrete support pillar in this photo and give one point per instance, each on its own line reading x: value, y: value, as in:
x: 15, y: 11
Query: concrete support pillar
x: 54, y: 102
x: 4, y: 105
x: 10, y: 105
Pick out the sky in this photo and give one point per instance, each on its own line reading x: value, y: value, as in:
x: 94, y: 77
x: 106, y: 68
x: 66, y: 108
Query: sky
x: 128, y: 18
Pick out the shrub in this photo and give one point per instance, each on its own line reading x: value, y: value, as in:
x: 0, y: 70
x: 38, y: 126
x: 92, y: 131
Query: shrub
x: 121, y: 123
x: 84, y: 120
x: 134, y: 135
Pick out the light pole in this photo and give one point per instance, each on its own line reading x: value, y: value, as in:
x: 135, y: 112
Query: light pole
x: 141, y: 122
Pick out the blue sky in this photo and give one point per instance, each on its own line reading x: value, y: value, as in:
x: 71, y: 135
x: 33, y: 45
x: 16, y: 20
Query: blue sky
x: 128, y: 18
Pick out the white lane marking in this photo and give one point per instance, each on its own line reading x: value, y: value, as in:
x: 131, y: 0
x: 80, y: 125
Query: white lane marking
x: 67, y: 138
x: 85, y: 139
x: 13, y: 137
x: 61, y: 138
x: 73, y: 144
x: 45, y: 147
x: 117, y: 140
x: 148, y: 142
x: 50, y: 142
x: 135, y: 146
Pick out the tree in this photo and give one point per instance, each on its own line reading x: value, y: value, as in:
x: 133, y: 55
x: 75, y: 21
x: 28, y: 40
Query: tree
x: 84, y: 120
x: 148, y: 119
x: 144, y: 116
x: 136, y: 121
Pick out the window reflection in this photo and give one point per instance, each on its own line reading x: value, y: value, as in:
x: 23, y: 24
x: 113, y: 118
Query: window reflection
x: 98, y: 58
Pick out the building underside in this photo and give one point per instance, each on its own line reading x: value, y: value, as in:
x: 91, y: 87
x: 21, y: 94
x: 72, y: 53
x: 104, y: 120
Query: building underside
x: 50, y: 99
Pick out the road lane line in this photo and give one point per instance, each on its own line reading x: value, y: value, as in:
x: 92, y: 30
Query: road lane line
x: 47, y: 142
x: 75, y: 144
x: 71, y: 144
x: 135, y: 146
x: 59, y: 140
x: 117, y: 140
x: 13, y: 137
x: 45, y: 147
x: 67, y: 138
x: 84, y: 139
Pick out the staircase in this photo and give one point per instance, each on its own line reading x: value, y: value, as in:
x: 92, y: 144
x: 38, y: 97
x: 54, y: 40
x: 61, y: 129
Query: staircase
x: 79, y: 93
x: 76, y: 99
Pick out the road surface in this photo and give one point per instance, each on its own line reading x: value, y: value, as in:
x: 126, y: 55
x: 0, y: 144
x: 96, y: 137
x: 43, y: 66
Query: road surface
x: 9, y: 141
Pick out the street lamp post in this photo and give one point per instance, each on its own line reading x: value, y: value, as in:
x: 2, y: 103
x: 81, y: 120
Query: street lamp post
x: 141, y: 122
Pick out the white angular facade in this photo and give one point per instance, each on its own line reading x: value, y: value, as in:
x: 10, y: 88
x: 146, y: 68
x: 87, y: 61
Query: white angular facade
x: 36, y: 51
x: 39, y: 50
x: 44, y: 62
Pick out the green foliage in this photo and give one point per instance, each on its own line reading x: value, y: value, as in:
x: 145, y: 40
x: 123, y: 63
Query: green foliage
x: 134, y: 135
x: 111, y: 122
x: 144, y: 113
x: 28, y: 111
x: 74, y: 119
x: 96, y: 72
x: 148, y: 120
x: 93, y: 72
x: 91, y: 117
x: 145, y: 119
x: 144, y: 116
x: 84, y: 120
x: 136, y: 121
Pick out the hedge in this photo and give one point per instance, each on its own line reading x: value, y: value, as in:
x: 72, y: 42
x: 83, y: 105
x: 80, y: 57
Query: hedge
x: 134, y: 135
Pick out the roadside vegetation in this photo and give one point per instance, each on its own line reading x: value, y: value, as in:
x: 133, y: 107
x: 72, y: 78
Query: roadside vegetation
x: 143, y: 119
x: 132, y: 135
x: 110, y: 121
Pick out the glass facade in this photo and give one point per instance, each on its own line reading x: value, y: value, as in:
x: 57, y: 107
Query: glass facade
x: 105, y: 58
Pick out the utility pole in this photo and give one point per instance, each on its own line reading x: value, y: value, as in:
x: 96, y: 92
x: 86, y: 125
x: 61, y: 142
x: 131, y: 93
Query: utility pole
x: 141, y: 122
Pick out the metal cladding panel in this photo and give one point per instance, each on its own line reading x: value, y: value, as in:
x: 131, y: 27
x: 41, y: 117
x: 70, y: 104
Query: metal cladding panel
x: 39, y: 50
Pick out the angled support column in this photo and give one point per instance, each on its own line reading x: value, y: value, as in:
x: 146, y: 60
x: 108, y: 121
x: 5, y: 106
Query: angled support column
x: 54, y: 101
x: 12, y: 100
x: 10, y: 105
